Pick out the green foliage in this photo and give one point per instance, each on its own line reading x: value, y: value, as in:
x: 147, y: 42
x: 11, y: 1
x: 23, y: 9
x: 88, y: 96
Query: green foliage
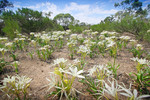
x: 4, y: 4
x: 113, y: 67
x: 11, y: 26
x: 64, y: 19
x: 14, y: 56
x: 142, y: 79
x: 132, y: 6
x: 31, y: 21
x: 76, y: 28
x: 93, y: 87
x: 103, y: 26
x: 136, y: 52
x: 3, y: 64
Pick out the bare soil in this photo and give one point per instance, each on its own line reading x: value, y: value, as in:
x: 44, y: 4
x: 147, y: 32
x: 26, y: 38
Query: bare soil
x: 38, y: 70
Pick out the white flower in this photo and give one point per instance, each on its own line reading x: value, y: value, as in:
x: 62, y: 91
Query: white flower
x: 3, y: 50
x: 94, y: 33
x: 113, y: 88
x: 79, y: 37
x: 77, y: 61
x: 59, y: 61
x: 141, y: 61
x: 134, y: 95
x: 16, y: 62
x: 42, y: 48
x: 15, y: 82
x: 83, y: 49
x: 125, y: 37
x: 52, y: 81
x: 72, y: 43
x: 32, y: 33
x: 3, y: 38
x: 148, y: 31
x: 73, y: 36
x: 9, y: 44
x: 91, y: 71
x: 110, y: 44
x: 139, y: 46
x: 74, y: 72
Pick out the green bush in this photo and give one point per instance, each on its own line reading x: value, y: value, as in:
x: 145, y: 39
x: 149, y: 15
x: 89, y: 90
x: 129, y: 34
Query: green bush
x: 10, y: 28
x: 76, y: 28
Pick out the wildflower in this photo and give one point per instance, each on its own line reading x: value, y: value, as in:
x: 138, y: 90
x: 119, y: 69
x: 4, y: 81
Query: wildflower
x: 113, y: 89
x: 73, y: 36
x: 74, y: 72
x: 141, y: 61
x: 125, y: 37
x: 52, y: 81
x: 72, y: 43
x: 148, y: 31
x: 79, y: 37
x: 83, y: 49
x: 16, y: 62
x: 15, y: 85
x: 9, y: 44
x: 32, y: 33
x: 42, y: 48
x: 91, y: 71
x: 3, y: 50
x: 139, y: 46
x: 3, y: 38
x: 59, y: 61
x: 110, y: 44
x: 134, y: 95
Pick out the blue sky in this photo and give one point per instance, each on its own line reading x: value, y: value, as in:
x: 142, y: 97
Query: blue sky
x: 89, y: 11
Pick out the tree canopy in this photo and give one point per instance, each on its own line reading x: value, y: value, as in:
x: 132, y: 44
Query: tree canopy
x: 4, y: 4
x: 133, y: 6
x: 64, y: 19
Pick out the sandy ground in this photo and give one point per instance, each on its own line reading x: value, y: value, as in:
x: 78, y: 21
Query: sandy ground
x: 38, y: 70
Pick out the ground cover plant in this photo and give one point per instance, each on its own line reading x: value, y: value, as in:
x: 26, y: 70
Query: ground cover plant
x: 74, y: 66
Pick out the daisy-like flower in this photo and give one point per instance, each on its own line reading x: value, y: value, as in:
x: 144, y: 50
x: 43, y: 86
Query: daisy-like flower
x: 74, y: 72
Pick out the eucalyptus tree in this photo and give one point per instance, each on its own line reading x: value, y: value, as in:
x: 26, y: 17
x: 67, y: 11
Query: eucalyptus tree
x: 64, y: 19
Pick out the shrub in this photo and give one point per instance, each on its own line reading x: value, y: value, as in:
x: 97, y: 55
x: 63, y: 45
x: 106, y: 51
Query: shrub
x: 11, y: 26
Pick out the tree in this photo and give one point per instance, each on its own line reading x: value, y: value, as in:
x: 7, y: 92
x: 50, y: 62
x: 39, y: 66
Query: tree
x: 11, y: 26
x: 133, y: 6
x: 4, y: 4
x: 109, y: 19
x: 64, y: 19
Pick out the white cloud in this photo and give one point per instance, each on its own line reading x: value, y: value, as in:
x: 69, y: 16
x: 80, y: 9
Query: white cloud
x: 91, y: 14
x: 147, y: 1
